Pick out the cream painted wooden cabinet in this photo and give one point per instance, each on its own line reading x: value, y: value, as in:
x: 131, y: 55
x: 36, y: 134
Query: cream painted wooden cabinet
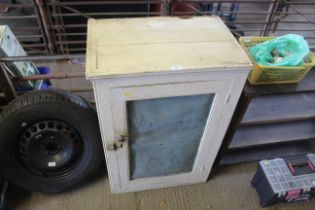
x: 165, y: 89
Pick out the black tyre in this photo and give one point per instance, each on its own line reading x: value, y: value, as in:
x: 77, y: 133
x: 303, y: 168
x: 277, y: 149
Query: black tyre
x: 49, y: 141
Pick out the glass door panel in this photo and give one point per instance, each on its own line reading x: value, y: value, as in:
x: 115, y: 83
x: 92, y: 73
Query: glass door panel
x: 164, y: 133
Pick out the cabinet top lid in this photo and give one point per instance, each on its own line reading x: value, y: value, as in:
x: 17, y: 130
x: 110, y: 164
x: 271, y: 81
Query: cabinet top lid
x: 160, y: 44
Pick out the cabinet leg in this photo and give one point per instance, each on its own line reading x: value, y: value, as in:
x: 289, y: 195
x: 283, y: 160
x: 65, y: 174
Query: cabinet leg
x: 237, y: 117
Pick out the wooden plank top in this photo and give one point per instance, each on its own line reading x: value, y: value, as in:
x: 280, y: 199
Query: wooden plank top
x: 161, y: 44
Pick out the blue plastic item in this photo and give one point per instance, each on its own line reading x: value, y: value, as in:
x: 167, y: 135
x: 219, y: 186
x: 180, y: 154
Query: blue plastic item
x: 46, y: 83
x: 229, y: 15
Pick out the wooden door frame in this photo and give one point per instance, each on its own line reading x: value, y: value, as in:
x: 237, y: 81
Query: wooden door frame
x: 236, y: 80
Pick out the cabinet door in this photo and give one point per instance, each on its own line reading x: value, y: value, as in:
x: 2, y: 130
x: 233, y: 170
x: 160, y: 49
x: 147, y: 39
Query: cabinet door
x: 164, y: 133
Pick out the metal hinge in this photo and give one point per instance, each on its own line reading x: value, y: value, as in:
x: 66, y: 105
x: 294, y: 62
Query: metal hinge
x: 118, y: 144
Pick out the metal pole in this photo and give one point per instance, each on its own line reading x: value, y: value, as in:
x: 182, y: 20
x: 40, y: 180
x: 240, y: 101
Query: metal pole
x: 76, y: 11
x: 166, y: 7
x: 42, y: 58
x: 72, y: 3
x: 51, y: 76
x: 20, y: 5
x: 45, y: 23
x: 6, y: 84
x: 63, y: 48
x: 270, y: 17
x: 40, y: 28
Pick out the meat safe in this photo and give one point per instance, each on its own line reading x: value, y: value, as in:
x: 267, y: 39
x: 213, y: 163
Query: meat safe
x: 165, y: 89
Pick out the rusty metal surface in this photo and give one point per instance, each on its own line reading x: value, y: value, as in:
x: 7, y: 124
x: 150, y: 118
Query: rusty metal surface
x: 56, y: 30
x: 6, y: 84
x: 42, y: 57
x: 51, y: 76
x: 44, y: 20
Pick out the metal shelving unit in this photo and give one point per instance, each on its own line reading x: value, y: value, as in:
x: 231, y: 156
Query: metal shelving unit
x: 271, y: 121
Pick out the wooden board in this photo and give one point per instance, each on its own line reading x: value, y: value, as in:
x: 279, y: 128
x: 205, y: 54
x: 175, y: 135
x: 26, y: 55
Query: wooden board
x: 274, y: 133
x: 268, y: 152
x: 160, y: 44
x: 286, y: 107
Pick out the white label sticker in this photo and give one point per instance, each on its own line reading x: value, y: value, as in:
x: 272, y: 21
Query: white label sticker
x: 313, y: 183
x: 176, y: 67
x: 159, y: 24
x: 51, y: 164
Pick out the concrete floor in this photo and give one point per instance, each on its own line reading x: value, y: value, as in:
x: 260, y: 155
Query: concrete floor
x: 228, y: 189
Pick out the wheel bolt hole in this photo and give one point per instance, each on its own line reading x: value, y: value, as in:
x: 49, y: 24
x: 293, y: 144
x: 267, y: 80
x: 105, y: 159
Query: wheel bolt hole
x: 34, y: 129
x: 42, y: 126
x: 59, y: 127
x: 27, y: 134
x: 72, y: 135
x: 50, y: 125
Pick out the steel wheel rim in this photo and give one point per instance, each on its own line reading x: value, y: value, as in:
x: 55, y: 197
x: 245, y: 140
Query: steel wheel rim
x: 50, y: 148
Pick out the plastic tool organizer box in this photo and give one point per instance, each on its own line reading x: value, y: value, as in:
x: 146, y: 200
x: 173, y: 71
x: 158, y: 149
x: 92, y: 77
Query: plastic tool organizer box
x: 285, y: 180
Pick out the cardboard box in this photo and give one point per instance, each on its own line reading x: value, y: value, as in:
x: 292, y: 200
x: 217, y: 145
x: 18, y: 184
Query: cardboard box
x: 10, y: 46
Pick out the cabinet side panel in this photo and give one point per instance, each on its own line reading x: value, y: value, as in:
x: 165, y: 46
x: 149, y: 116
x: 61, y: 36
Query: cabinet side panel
x: 104, y: 112
x: 239, y: 79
